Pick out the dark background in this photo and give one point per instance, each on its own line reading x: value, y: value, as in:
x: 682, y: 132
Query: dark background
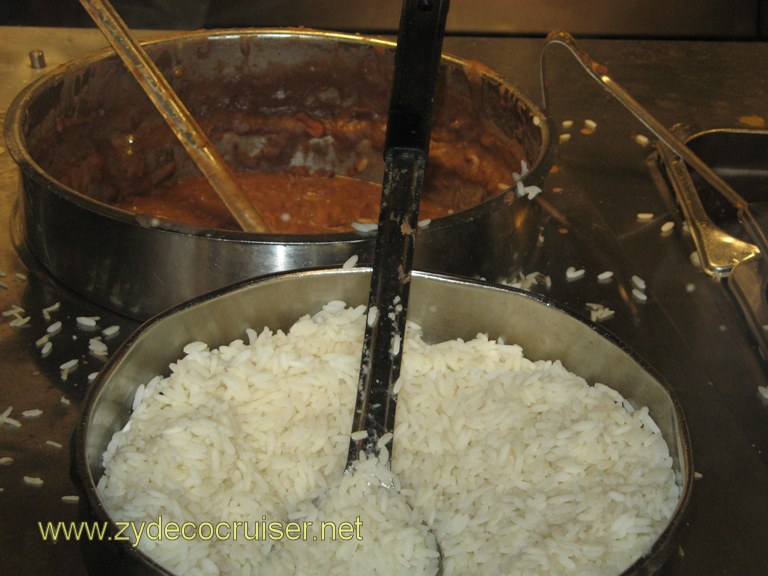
x: 694, y: 19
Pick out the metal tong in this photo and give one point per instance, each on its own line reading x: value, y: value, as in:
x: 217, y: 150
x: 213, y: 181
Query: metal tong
x: 753, y: 216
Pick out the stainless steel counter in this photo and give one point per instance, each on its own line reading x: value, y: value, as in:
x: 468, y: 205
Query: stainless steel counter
x: 688, y: 329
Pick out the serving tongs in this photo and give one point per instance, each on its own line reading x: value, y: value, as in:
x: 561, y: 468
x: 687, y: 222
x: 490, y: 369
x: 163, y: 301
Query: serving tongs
x: 752, y: 215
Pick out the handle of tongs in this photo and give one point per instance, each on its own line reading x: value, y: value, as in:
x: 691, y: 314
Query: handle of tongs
x: 417, y: 58
x: 600, y: 73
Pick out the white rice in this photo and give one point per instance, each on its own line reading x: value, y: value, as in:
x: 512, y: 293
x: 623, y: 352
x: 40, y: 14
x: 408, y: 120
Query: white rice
x: 605, y: 276
x: 639, y: 295
x: 573, y: 273
x: 351, y: 262
x: 54, y: 328
x: 110, y: 331
x: 518, y: 467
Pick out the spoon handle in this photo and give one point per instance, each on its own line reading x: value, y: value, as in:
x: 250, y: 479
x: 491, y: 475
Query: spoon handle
x: 417, y: 59
x: 179, y: 119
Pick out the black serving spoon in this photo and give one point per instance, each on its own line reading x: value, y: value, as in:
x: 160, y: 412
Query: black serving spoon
x: 417, y: 60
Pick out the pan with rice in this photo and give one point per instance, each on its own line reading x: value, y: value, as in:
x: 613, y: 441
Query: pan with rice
x: 529, y: 441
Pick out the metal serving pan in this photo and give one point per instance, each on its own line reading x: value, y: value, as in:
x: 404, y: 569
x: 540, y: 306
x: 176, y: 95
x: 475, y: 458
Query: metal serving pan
x: 85, y: 133
x: 446, y: 308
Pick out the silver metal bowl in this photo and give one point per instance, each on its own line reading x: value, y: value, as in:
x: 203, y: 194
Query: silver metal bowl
x: 446, y: 308
x: 85, y: 134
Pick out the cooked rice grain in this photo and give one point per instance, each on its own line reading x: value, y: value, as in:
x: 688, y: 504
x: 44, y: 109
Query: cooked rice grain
x: 519, y: 467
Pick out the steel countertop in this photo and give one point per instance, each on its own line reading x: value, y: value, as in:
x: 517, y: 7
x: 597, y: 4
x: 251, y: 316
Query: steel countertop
x: 688, y: 330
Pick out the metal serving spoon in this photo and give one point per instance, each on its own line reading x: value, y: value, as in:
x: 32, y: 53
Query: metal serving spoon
x: 417, y: 60
x: 176, y: 115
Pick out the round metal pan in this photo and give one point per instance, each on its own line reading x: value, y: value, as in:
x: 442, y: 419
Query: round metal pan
x: 445, y: 307
x: 85, y: 134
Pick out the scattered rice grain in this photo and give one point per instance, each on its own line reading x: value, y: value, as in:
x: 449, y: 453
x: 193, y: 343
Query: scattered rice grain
x: 638, y: 282
x: 110, y: 331
x: 69, y: 364
x: 641, y: 140
x: 48, y: 309
x: 364, y: 227
x: 20, y: 321
x: 34, y: 481
x: 5, y: 418
x: 694, y: 258
x: 573, y: 273
x: 639, y: 295
x: 14, y: 310
x: 599, y: 312
x: 97, y: 347
x: 86, y: 322
x: 604, y: 277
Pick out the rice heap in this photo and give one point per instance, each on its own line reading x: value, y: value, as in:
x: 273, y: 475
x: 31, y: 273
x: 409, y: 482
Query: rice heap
x: 518, y: 467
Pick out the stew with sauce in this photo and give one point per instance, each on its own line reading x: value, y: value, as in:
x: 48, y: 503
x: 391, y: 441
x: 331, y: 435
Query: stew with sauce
x: 290, y: 204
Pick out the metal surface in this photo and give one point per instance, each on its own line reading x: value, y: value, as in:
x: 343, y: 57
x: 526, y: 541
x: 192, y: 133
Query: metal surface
x: 202, y: 151
x: 688, y: 329
x: 446, y: 308
x: 141, y: 265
